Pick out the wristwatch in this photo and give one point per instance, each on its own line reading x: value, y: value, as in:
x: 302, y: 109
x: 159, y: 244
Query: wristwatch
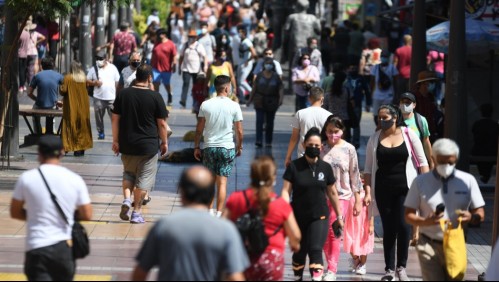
x: 340, y: 217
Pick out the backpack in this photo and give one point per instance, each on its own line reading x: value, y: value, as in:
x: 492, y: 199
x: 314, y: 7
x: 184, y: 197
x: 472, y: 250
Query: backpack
x: 384, y: 81
x: 252, y: 230
x: 419, y: 125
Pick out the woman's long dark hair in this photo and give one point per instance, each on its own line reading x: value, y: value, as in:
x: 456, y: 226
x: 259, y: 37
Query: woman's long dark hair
x: 339, y: 81
x: 334, y: 120
x: 263, y: 173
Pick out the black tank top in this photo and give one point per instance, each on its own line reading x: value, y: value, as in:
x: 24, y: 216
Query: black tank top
x: 391, y: 174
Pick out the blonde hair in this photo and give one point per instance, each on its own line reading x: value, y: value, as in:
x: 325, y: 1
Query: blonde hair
x: 77, y: 72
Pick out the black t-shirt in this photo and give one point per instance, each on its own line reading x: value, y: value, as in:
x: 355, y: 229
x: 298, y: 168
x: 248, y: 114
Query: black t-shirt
x: 309, y: 187
x: 391, y: 174
x: 139, y: 109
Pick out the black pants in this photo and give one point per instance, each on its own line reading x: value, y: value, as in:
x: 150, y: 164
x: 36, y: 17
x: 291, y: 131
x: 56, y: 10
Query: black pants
x: 314, y: 234
x: 23, y: 71
x: 120, y: 62
x: 52, y: 263
x: 395, y: 230
x: 53, y: 45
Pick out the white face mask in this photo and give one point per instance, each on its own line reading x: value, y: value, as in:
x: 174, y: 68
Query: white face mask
x: 407, y: 109
x: 100, y: 64
x: 445, y: 170
x: 204, y: 30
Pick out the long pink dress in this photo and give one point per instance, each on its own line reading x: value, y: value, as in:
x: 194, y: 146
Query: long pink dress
x: 356, y: 237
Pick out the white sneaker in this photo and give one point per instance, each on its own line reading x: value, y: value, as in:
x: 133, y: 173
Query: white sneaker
x: 219, y: 214
x: 402, y: 274
x: 361, y: 270
x: 389, y: 276
x: 330, y: 276
x: 352, y: 264
x: 213, y: 212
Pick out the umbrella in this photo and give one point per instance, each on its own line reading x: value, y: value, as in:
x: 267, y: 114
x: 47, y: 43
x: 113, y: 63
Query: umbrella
x: 481, y: 37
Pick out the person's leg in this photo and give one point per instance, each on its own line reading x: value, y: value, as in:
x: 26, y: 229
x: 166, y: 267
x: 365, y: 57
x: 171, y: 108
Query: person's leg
x: 186, y: 79
x: 269, y: 128
x: 129, y: 179
x: 23, y: 65
x: 259, y: 126
x: 404, y: 233
x: 431, y: 260
x: 318, y: 235
x: 32, y: 60
x: 221, y: 192
x: 49, y: 125
x: 166, y: 77
x: 484, y: 169
x: 146, y: 178
x: 37, y: 126
x: 62, y: 264
x: 99, y: 116
x: 35, y: 266
x: 356, y: 129
x: 384, y: 200
x: 300, y: 257
x: 53, y: 49
x: 244, y: 85
x: 332, y: 246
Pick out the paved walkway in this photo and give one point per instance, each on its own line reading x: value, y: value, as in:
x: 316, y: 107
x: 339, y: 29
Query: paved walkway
x: 115, y: 243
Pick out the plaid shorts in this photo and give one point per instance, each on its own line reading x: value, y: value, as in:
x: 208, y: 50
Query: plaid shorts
x: 219, y: 160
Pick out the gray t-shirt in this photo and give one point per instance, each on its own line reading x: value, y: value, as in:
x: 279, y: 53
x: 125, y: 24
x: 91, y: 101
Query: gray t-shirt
x: 191, y: 245
x: 307, y: 118
x: 428, y: 191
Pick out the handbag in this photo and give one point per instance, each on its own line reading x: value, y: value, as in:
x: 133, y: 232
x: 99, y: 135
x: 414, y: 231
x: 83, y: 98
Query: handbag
x: 81, y: 244
x: 454, y: 250
x: 413, y: 153
x: 90, y: 89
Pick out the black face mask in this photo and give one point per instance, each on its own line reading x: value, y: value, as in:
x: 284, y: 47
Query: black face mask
x: 135, y: 64
x: 312, y: 152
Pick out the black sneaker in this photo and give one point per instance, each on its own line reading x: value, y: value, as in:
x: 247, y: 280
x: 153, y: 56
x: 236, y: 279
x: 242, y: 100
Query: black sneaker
x: 258, y: 145
x: 182, y: 104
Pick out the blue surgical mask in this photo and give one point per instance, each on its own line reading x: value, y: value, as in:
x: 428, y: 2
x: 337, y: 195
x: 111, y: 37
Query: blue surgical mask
x: 431, y: 87
x: 269, y: 67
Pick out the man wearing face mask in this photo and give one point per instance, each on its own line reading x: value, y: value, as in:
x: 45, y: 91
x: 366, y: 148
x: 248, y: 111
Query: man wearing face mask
x: 268, y: 53
x: 426, y: 102
x: 457, y: 190
x: 192, y: 61
x: 105, y: 83
x: 416, y: 122
x: 208, y: 41
x: 128, y: 73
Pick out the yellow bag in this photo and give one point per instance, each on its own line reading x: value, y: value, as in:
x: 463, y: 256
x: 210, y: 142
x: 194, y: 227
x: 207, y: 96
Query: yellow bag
x: 456, y: 260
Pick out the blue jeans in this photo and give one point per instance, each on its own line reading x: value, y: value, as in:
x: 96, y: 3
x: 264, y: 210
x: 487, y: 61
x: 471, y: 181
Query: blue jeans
x: 267, y: 118
x: 301, y: 102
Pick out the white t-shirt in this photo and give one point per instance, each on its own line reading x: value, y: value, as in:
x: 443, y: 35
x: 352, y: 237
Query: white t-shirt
x: 220, y: 113
x: 193, y: 56
x: 305, y: 120
x: 209, y: 43
x: 235, y: 41
x: 45, y: 226
x: 128, y: 75
x: 109, y: 76
x: 244, y: 50
x: 389, y: 70
x: 152, y: 18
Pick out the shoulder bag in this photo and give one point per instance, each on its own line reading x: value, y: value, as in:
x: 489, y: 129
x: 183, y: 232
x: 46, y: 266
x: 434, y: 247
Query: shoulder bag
x: 81, y: 244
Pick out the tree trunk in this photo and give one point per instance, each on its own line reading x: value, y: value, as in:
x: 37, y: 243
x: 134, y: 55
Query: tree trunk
x: 9, y: 115
x: 85, y: 36
x: 113, y: 21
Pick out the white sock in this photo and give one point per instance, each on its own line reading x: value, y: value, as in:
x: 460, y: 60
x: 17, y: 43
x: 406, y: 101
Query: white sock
x: 219, y: 214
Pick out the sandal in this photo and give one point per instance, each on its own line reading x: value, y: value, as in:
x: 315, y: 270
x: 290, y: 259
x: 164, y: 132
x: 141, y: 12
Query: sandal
x: 146, y: 201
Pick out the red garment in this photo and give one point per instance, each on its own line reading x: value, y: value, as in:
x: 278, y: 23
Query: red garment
x: 124, y: 43
x: 404, y: 55
x: 53, y: 29
x: 163, y: 55
x: 279, y: 211
x: 427, y: 107
x: 198, y: 90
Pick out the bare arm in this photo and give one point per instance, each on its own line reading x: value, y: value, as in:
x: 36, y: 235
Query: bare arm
x: 17, y: 210
x: 411, y: 217
x: 287, y: 188
x: 199, y: 132
x: 239, y: 276
x: 139, y: 274
x: 232, y: 77
x: 115, y: 122
x: 180, y: 62
x: 239, y: 133
x: 31, y: 94
x: 85, y: 212
x: 427, y: 151
x: 163, y: 135
x: 295, y: 136
x: 293, y: 232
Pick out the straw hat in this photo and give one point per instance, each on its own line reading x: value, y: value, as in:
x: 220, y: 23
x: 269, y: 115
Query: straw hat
x: 30, y: 25
x: 426, y: 76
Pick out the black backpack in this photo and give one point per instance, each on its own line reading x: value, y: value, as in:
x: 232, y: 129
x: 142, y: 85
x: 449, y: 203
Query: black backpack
x: 252, y: 230
x: 384, y: 81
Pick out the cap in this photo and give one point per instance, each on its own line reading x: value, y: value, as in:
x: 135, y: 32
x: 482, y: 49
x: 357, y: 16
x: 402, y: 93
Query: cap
x: 50, y: 146
x: 101, y: 55
x: 408, y: 95
x: 427, y: 76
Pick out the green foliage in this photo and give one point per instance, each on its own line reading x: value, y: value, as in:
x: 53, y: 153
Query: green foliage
x: 51, y: 8
x: 163, y: 6
x: 140, y: 22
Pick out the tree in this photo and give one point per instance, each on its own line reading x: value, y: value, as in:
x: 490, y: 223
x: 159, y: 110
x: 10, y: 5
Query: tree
x: 18, y: 11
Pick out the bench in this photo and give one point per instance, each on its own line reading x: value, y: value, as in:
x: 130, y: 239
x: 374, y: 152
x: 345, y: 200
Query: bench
x: 32, y: 138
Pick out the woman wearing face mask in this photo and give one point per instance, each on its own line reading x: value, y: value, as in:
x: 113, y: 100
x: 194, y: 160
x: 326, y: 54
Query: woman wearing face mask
x: 278, y: 219
x: 342, y: 157
x: 223, y: 42
x: 304, y: 77
x: 312, y: 183
x: 220, y: 67
x: 389, y: 171
x: 267, y: 95
x: 128, y: 73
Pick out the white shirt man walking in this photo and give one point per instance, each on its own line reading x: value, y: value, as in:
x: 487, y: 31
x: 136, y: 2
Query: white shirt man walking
x: 217, y: 118
x: 456, y: 192
x: 49, y: 256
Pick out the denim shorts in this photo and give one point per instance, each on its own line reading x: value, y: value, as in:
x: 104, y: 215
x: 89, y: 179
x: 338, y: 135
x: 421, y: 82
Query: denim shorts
x: 164, y: 77
x: 219, y: 160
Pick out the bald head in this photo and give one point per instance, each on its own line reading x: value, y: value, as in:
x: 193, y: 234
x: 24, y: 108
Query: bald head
x: 197, y: 186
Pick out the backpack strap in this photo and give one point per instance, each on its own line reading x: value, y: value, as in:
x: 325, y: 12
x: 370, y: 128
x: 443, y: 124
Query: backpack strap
x: 248, y: 206
x: 419, y: 125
